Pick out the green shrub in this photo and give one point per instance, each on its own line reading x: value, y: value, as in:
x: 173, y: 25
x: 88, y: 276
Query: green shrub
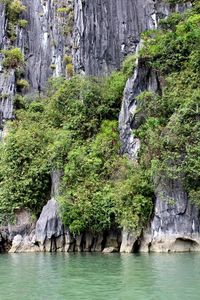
x: 53, y: 66
x: 22, y: 84
x: 74, y: 130
x: 129, y: 65
x: 170, y: 131
x: 67, y: 59
x: 24, y: 179
x: 22, y: 23
x: 15, y: 8
x: 64, y: 10
x: 13, y: 58
x: 70, y: 69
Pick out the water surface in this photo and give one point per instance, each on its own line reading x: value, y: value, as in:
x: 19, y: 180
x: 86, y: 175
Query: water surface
x: 99, y: 276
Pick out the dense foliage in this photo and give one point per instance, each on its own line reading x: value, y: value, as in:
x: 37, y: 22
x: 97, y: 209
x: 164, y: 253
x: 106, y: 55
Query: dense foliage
x: 13, y: 58
x: 74, y: 130
x: 171, y: 131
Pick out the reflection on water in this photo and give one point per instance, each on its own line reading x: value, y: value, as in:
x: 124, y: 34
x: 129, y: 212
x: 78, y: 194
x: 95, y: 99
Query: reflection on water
x: 99, y: 277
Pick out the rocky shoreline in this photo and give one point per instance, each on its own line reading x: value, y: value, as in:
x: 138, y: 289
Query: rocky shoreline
x: 49, y: 235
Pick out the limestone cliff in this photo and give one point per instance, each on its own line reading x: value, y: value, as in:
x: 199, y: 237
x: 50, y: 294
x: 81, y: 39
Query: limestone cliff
x: 174, y: 226
x: 44, y: 41
x: 99, y: 34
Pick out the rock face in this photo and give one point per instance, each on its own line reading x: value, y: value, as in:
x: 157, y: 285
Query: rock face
x: 143, y: 79
x: 50, y: 235
x: 106, y: 31
x: 129, y: 242
x: 103, y: 33
x: 17, y: 238
x: 49, y: 227
x: 99, y: 33
x: 44, y: 42
x: 175, y: 226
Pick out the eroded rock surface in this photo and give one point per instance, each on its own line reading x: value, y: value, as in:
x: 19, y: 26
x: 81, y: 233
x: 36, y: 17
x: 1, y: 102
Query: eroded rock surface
x: 106, y: 31
x: 44, y: 42
x: 175, y: 225
x: 48, y: 226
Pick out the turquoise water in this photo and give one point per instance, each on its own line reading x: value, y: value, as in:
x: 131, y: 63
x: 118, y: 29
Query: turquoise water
x: 99, y: 277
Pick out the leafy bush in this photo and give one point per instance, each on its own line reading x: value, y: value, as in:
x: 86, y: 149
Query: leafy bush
x: 22, y: 84
x: 129, y: 65
x: 169, y: 51
x: 22, y: 23
x: 74, y: 130
x: 70, y: 69
x: 13, y: 58
x: 13, y: 10
x: 25, y: 168
x: 170, y: 131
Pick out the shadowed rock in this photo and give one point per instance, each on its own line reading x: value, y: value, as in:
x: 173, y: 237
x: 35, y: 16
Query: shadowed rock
x: 49, y: 226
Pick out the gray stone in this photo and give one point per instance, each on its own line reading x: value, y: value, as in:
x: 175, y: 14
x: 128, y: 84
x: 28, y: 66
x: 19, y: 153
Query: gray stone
x: 129, y: 239
x: 23, y: 225
x: 105, y: 31
x: 7, y: 92
x: 2, y: 24
x: 25, y: 244
x: 110, y: 250
x: 16, y: 243
x: 98, y: 243
x: 143, y: 79
x: 112, y: 239
x: 68, y: 244
x: 176, y: 224
x: 55, y: 181
x: 44, y: 43
x: 49, y: 226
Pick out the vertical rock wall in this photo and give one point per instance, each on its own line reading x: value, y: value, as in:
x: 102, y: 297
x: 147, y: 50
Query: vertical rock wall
x: 44, y: 42
x: 175, y: 225
x: 7, y: 79
x: 106, y: 31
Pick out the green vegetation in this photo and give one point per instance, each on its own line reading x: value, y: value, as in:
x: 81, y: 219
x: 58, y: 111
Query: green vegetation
x: 67, y: 59
x: 70, y: 70
x: 22, y: 23
x: 13, y: 10
x: 13, y: 58
x: 67, y: 14
x: 74, y: 130
x: 170, y: 132
x: 22, y: 84
x: 64, y: 10
x: 128, y: 65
